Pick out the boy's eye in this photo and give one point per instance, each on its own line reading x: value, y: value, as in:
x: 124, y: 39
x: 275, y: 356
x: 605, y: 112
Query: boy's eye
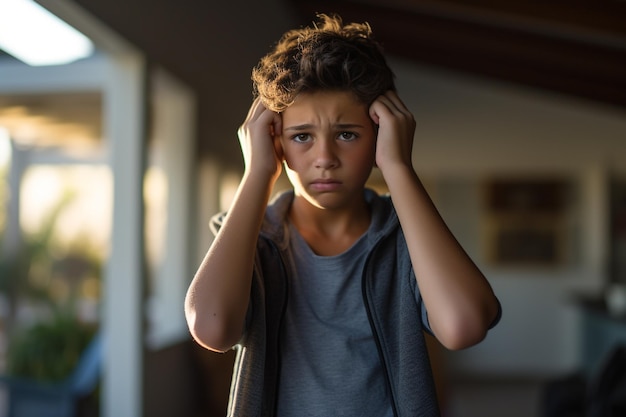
x: 301, y: 137
x: 347, y: 136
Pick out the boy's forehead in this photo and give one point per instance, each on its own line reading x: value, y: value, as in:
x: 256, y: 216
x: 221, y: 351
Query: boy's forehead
x: 336, y: 103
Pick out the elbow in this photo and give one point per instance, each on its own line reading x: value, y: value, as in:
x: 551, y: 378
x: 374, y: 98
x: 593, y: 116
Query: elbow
x: 462, y: 332
x: 461, y: 338
x: 212, y: 333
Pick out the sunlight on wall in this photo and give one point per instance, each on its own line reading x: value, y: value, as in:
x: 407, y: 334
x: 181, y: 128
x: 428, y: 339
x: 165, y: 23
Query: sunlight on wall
x: 5, y: 147
x: 77, y: 198
x: 88, y: 212
x: 155, y: 197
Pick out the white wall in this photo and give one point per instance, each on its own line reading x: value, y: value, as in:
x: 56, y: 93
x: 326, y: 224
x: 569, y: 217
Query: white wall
x: 168, y: 196
x: 469, y: 130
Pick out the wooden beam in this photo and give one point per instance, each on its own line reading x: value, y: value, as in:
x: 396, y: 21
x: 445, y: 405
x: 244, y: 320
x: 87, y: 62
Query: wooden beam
x: 542, y: 59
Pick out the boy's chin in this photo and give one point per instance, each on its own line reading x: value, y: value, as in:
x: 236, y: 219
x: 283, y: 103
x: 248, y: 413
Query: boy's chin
x: 329, y: 201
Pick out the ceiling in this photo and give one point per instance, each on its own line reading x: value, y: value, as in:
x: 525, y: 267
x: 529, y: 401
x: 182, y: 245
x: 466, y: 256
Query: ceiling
x: 574, y: 47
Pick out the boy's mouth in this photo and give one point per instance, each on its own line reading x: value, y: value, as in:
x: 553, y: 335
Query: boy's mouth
x: 325, y: 184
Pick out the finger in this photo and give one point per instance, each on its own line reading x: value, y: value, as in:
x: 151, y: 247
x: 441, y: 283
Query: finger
x: 381, y: 107
x: 374, y: 115
x: 268, y: 118
x: 388, y: 100
x: 253, y: 108
x: 259, y: 111
x: 397, y: 103
x: 375, y: 109
x: 393, y: 103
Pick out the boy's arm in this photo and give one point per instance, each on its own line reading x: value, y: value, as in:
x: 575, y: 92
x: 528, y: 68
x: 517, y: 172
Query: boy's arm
x: 218, y: 296
x: 460, y: 302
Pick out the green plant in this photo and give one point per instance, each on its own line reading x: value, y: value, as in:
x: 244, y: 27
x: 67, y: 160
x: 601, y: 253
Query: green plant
x: 49, y: 350
x: 40, y: 273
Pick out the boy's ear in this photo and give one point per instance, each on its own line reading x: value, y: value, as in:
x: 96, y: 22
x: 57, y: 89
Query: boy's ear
x: 277, y: 125
x: 278, y: 148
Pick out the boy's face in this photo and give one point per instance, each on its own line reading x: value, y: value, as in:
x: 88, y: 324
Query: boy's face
x: 329, y: 145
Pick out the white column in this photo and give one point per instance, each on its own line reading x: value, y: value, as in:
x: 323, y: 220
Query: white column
x: 122, y: 392
x: 173, y: 126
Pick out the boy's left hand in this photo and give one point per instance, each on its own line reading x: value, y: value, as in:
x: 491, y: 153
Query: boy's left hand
x: 396, y: 127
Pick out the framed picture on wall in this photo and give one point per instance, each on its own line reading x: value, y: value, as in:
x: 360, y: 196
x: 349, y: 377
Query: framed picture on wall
x: 526, y: 221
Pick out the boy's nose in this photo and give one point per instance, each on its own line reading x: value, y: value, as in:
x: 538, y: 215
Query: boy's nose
x: 326, y: 157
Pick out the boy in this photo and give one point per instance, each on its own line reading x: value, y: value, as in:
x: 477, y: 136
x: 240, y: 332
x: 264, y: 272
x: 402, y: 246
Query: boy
x: 327, y: 290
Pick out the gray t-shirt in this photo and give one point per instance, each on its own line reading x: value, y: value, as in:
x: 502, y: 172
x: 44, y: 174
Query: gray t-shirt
x: 330, y: 365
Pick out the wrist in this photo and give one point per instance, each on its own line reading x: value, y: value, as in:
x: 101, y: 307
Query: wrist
x: 260, y: 177
x: 392, y: 171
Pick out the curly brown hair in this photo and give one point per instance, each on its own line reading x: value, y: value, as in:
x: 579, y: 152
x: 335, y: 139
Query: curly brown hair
x: 327, y: 56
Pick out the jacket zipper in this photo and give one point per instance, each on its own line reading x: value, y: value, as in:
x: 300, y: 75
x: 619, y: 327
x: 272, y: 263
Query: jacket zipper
x: 366, y: 301
x: 280, y: 326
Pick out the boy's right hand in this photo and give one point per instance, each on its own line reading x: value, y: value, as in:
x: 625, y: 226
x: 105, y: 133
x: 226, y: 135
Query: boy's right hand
x: 259, y: 138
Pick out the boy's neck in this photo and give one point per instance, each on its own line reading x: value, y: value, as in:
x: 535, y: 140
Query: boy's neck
x: 329, y: 232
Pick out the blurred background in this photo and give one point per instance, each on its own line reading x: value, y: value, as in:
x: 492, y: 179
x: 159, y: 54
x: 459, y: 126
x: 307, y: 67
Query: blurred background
x: 114, y: 159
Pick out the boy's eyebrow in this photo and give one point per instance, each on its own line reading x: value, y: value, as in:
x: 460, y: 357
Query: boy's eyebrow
x: 308, y: 126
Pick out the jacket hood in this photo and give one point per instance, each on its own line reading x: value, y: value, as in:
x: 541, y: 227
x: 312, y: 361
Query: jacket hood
x: 384, y: 217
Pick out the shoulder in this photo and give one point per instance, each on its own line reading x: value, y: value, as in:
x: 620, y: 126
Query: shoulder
x: 273, y: 220
x: 384, y: 217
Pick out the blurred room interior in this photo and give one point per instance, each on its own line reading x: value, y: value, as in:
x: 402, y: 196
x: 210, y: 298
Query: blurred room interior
x: 113, y: 165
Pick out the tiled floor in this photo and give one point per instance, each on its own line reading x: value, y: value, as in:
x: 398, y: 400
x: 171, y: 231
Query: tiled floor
x: 494, y: 399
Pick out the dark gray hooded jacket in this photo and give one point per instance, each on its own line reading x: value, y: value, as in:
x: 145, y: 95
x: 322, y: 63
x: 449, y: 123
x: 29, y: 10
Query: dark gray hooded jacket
x: 391, y: 298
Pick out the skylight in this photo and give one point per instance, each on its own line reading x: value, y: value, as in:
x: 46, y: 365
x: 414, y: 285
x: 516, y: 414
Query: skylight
x: 35, y: 36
